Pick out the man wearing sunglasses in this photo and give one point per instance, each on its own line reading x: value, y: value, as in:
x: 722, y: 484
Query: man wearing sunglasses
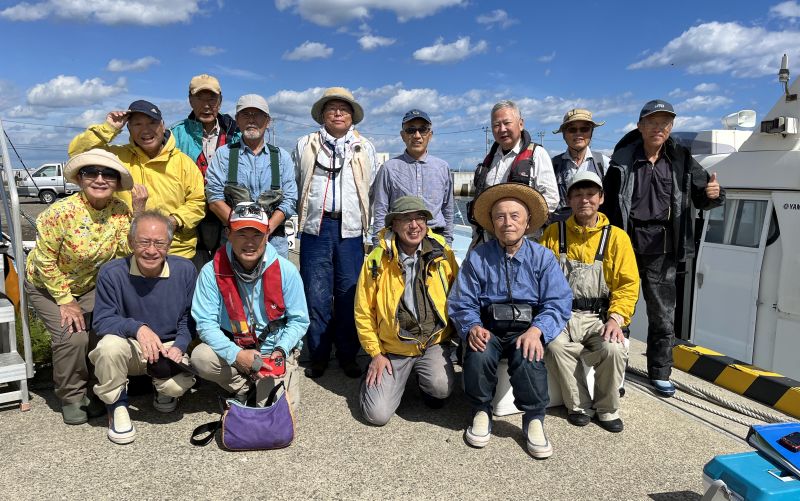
x: 141, y: 314
x: 577, y: 129
x: 652, y: 190
x: 416, y: 173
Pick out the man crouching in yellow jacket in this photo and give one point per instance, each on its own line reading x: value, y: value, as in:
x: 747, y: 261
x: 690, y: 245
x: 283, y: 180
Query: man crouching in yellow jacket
x: 401, y: 313
x: 600, y: 266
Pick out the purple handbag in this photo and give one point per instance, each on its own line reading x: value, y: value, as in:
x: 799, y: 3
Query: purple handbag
x: 252, y: 428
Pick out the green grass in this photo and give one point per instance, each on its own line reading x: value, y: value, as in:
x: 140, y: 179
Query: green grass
x: 40, y: 340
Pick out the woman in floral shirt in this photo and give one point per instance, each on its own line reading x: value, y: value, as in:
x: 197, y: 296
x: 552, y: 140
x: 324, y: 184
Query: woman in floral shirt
x: 76, y: 235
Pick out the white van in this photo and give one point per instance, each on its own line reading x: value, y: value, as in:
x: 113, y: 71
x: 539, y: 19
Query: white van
x: 47, y: 182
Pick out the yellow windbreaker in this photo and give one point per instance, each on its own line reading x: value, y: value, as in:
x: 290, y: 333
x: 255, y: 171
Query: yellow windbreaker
x: 619, y: 264
x: 173, y: 181
x: 377, y: 299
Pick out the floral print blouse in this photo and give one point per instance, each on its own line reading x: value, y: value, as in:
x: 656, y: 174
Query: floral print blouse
x: 74, y: 240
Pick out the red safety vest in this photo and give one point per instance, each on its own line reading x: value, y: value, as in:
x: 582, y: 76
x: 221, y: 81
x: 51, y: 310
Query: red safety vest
x: 272, y: 291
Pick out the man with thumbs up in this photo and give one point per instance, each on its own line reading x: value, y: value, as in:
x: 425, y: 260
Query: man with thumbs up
x: 652, y: 190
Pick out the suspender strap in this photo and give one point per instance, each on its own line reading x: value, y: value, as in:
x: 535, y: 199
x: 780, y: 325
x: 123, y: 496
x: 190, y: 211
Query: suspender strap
x: 601, y: 249
x: 273, y: 161
x: 562, y: 237
x: 233, y: 163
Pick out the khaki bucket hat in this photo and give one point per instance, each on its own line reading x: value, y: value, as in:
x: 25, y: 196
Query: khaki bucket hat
x: 406, y: 205
x: 575, y: 115
x: 99, y: 158
x: 337, y: 93
x: 527, y: 196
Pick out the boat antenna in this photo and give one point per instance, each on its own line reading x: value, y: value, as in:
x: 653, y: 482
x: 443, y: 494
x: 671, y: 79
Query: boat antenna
x: 783, y: 77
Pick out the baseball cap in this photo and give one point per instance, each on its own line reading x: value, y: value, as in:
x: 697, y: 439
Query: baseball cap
x: 249, y: 215
x: 415, y: 113
x: 146, y: 107
x: 656, y: 106
x: 252, y: 101
x: 204, y: 82
x: 586, y: 176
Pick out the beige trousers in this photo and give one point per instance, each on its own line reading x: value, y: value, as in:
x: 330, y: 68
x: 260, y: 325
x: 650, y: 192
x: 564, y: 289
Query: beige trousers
x: 116, y: 358
x: 583, y: 340
x: 212, y: 367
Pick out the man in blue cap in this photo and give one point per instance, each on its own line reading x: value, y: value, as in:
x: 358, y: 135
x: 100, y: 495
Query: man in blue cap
x: 652, y: 188
x: 416, y: 173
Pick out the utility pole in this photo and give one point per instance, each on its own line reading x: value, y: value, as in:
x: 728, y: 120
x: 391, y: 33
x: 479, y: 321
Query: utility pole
x: 486, y: 132
x: 541, y: 136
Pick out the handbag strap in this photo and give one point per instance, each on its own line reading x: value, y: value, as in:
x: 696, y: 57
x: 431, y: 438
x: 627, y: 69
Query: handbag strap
x: 210, y: 428
x: 273, y: 393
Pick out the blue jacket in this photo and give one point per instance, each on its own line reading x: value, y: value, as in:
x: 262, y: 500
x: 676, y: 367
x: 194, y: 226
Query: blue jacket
x: 535, y: 278
x: 188, y: 134
x: 211, y: 317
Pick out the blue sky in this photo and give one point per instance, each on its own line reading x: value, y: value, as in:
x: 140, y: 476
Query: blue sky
x: 67, y: 63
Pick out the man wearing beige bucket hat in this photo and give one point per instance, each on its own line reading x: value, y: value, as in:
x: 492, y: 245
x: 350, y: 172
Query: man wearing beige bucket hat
x: 509, y: 301
x: 334, y: 168
x: 577, y: 129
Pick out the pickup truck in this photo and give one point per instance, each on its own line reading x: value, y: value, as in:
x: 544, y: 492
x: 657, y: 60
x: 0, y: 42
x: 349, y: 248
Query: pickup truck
x: 47, y: 182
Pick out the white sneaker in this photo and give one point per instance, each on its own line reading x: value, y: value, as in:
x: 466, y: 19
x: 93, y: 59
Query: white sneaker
x: 480, y: 432
x: 120, y: 428
x: 538, y: 444
x: 164, y: 403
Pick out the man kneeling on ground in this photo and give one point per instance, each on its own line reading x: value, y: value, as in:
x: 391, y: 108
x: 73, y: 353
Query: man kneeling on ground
x: 600, y: 266
x: 141, y: 310
x: 401, y: 313
x: 510, y: 300
x: 251, y: 313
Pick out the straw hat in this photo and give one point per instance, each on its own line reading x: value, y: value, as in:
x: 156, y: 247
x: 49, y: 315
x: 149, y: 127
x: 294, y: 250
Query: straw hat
x: 100, y: 158
x: 527, y: 196
x: 575, y: 115
x: 337, y: 93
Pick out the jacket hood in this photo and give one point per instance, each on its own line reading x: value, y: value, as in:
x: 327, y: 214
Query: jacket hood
x: 634, y: 137
x: 602, y: 221
x: 167, y: 150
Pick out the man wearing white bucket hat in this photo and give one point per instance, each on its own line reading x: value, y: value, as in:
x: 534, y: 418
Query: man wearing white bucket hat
x: 509, y: 301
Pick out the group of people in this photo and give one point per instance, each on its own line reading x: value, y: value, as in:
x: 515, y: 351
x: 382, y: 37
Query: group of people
x: 172, y: 262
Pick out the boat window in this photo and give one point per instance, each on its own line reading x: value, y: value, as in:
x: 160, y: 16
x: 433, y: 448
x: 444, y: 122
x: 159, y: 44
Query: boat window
x: 738, y: 222
x: 49, y: 171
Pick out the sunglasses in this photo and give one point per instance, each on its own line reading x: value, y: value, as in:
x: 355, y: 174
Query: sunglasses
x: 93, y: 172
x: 582, y: 130
x: 413, y: 130
x: 248, y: 210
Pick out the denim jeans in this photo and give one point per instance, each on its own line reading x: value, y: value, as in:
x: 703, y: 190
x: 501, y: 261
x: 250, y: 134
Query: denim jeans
x: 657, y: 273
x: 329, y: 267
x: 528, y: 379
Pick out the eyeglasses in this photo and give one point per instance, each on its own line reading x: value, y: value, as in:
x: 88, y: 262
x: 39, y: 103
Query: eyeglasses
x: 145, y: 244
x: 93, y: 172
x: 653, y: 125
x: 413, y: 130
x: 419, y: 219
x: 258, y: 114
x: 341, y: 110
x: 582, y: 130
x: 248, y: 210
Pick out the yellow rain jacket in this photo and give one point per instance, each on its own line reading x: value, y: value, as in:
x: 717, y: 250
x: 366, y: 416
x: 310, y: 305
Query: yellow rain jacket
x: 380, y: 290
x: 619, y: 264
x: 173, y: 181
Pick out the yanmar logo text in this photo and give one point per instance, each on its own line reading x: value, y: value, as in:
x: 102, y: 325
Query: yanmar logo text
x: 788, y: 206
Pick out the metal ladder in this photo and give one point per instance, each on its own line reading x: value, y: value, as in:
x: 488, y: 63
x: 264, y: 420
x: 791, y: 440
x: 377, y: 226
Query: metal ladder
x: 14, y: 370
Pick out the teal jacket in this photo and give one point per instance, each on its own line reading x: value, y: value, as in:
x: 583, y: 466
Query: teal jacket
x: 188, y: 135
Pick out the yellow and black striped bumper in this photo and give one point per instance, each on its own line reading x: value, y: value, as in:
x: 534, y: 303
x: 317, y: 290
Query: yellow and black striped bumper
x: 769, y: 388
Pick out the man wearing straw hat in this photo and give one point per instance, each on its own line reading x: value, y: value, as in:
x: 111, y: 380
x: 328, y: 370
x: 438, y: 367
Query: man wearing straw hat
x: 334, y: 167
x: 577, y: 129
x: 510, y: 300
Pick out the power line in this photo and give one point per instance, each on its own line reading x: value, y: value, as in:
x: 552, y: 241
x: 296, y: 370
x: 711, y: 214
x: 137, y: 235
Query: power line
x: 45, y: 125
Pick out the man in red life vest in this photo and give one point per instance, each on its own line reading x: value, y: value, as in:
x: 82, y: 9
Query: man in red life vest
x: 250, y: 311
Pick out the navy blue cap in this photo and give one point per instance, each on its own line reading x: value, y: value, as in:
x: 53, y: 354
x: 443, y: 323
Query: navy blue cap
x: 415, y: 113
x: 146, y: 107
x: 656, y: 106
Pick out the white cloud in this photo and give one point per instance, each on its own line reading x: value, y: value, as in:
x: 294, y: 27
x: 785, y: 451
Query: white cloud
x: 371, y: 42
x: 207, y: 50
x: 695, y: 122
x: 140, y: 64
x: 140, y: 12
x: 425, y: 99
x: 786, y: 9
x: 447, y: 53
x: 9, y: 94
x: 335, y: 12
x: 64, y: 91
x: 724, y: 47
x: 239, y: 73
x: 308, y: 50
x: 23, y: 111
x: 706, y: 87
x: 702, y: 103
x: 547, y: 58
x: 88, y: 117
x: 294, y: 103
x: 677, y: 92
x: 497, y: 17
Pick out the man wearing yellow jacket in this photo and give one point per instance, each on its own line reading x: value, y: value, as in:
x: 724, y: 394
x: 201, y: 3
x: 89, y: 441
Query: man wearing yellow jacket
x: 401, y: 313
x: 600, y: 266
x: 162, y: 174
